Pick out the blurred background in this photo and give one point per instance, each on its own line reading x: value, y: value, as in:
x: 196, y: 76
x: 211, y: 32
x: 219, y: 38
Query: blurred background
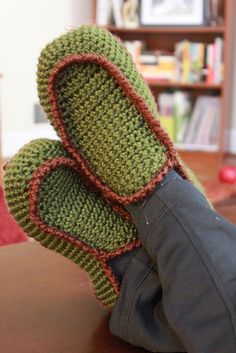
x: 26, y: 26
x: 185, y: 50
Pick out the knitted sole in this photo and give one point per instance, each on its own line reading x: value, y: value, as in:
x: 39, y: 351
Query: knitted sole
x: 48, y: 199
x: 105, y: 114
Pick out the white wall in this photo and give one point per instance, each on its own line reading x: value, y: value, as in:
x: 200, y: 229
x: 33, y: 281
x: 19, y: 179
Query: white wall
x: 26, y: 26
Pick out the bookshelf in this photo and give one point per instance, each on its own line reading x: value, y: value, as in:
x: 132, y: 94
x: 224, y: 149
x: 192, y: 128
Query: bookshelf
x: 174, y: 29
x: 188, y: 86
x: 165, y: 38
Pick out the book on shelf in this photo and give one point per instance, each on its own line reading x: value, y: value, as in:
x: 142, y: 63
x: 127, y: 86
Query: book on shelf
x: 119, y: 13
x: 135, y: 49
x: 214, y: 61
x: 191, y: 126
x: 191, y: 62
x: 218, y: 60
x: 103, y: 12
x: 164, y: 69
x: 182, y: 111
x: 174, y: 109
x: 165, y: 105
x: 156, y: 64
x: 213, y: 10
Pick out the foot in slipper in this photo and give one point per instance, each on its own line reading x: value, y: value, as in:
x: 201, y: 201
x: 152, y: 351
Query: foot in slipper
x: 105, y: 114
x: 50, y: 201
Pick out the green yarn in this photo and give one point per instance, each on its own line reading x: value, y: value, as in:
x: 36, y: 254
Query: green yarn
x: 89, y: 39
x: 106, y: 127
x: 74, y: 210
x: 66, y: 204
x: 100, y: 119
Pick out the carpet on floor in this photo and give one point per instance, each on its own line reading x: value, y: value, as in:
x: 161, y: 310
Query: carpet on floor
x: 10, y: 232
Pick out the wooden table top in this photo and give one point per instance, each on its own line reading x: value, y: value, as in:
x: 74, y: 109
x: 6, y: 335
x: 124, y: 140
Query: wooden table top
x: 47, y: 306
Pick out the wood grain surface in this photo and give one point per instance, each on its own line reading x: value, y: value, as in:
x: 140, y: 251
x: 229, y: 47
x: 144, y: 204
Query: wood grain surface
x: 47, y: 304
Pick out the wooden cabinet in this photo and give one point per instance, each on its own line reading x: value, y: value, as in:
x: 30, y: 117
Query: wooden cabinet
x: 165, y: 38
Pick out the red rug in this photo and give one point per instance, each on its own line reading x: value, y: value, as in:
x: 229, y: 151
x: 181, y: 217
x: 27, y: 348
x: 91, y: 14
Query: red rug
x: 10, y: 232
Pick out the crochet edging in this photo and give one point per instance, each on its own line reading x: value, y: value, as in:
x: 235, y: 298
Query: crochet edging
x: 85, y: 169
x: 100, y: 255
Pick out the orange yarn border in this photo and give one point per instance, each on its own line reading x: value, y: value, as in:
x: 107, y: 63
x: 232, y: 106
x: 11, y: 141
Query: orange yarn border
x: 100, y: 255
x: 140, y: 104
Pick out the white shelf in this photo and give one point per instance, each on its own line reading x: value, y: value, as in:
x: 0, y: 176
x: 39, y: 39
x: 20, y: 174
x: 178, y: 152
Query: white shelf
x: 196, y: 147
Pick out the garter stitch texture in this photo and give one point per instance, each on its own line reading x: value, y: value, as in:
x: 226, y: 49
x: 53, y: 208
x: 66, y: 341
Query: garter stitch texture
x: 48, y: 199
x: 107, y: 120
x: 105, y: 114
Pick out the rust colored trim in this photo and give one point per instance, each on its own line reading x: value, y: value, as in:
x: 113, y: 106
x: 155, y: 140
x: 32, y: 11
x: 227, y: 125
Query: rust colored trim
x: 102, y: 256
x: 86, y: 170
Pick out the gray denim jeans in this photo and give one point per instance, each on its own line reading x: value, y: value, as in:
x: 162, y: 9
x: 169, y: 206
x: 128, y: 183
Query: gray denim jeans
x: 178, y: 292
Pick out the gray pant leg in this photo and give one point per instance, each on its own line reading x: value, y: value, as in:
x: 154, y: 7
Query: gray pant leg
x: 195, y: 249
x: 138, y: 316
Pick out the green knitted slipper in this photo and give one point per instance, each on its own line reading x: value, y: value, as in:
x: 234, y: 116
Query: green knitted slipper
x: 105, y: 114
x: 48, y: 199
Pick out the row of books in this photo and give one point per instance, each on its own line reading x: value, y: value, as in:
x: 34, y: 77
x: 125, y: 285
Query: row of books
x: 191, y: 126
x: 199, y: 62
x: 190, y: 62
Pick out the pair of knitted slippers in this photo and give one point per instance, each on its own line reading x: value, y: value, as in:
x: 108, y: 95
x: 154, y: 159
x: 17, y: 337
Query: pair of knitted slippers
x: 70, y: 195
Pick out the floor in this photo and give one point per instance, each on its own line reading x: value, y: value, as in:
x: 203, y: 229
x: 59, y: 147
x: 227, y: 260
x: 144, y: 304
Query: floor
x: 229, y: 212
x: 222, y: 195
